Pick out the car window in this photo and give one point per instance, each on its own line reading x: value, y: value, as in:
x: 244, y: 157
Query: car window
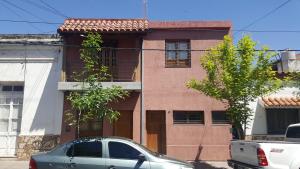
x: 122, y: 151
x: 293, y: 132
x: 86, y: 149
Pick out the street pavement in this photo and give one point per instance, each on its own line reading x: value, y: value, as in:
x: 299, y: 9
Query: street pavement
x: 16, y: 164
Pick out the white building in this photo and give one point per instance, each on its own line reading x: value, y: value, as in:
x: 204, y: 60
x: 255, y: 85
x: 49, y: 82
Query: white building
x: 273, y: 113
x: 30, y: 104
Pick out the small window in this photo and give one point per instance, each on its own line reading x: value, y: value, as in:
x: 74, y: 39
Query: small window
x: 178, y: 53
x: 188, y: 117
x: 86, y: 149
x: 119, y: 150
x: 7, y: 88
x: 220, y: 117
x: 18, y: 88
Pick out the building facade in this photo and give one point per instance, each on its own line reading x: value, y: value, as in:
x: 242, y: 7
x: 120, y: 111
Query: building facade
x: 30, y: 104
x: 153, y: 61
x: 274, y: 112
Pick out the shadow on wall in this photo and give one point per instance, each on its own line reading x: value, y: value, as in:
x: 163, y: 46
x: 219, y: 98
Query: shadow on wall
x: 46, y: 115
x: 259, y: 120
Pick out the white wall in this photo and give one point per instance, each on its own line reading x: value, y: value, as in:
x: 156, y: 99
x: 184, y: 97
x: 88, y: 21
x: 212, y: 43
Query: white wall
x: 258, y: 122
x: 38, y: 67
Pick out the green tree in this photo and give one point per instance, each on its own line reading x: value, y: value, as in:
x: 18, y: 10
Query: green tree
x: 93, y: 100
x: 237, y: 75
x: 295, y: 80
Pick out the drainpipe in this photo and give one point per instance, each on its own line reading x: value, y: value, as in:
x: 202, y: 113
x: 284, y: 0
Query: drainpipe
x: 142, y: 116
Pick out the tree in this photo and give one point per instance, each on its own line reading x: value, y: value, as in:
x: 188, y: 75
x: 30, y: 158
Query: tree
x: 237, y: 75
x: 295, y: 78
x: 93, y: 100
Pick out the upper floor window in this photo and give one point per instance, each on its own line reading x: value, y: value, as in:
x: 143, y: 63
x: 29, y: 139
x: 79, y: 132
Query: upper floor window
x: 188, y: 117
x: 178, y: 53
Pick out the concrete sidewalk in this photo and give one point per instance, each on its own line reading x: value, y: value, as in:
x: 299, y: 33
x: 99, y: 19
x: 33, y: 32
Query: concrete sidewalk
x: 16, y: 164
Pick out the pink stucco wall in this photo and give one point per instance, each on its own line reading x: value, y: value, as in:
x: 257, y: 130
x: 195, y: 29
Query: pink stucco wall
x: 164, y: 89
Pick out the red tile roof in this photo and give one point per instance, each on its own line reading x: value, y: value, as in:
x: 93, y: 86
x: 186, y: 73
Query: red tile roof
x: 281, y: 101
x: 137, y: 25
x: 103, y: 25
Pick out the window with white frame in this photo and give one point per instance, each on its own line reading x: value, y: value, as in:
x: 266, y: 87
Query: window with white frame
x: 11, y: 101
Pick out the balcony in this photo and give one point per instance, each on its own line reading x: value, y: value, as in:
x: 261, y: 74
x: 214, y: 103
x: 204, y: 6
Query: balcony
x: 123, y: 65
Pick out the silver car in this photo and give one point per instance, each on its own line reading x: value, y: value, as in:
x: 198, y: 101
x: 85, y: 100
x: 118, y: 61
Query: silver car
x: 104, y: 153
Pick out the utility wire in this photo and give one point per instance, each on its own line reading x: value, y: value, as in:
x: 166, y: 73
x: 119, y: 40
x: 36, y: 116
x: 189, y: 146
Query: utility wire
x: 28, y: 21
x: 54, y: 9
x: 137, y: 49
x: 24, y: 10
x: 213, y: 30
x: 43, y: 8
x: 265, y: 15
x: 12, y: 11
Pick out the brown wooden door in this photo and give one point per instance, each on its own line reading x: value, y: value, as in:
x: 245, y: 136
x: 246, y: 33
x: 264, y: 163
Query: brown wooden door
x: 156, y: 131
x: 123, y: 126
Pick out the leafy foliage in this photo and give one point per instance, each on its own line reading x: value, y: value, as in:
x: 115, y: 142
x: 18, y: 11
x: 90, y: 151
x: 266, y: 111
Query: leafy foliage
x: 237, y: 75
x: 93, y: 101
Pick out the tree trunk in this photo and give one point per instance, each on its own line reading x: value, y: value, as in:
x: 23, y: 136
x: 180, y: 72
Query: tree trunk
x: 78, y: 124
x: 241, y: 132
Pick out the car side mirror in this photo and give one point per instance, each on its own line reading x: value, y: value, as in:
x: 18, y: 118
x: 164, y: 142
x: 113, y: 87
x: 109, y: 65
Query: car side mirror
x: 141, y: 157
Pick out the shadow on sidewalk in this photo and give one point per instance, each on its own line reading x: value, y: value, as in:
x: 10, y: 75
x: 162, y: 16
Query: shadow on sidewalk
x: 204, y: 165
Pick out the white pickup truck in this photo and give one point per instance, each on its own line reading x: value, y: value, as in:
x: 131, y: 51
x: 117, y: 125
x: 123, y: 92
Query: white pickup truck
x: 267, y: 154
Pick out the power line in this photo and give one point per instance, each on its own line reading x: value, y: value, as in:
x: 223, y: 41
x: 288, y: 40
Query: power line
x: 137, y: 49
x: 11, y: 10
x: 266, y: 15
x: 43, y: 8
x: 28, y: 21
x: 54, y: 9
x: 216, y: 30
x: 22, y: 9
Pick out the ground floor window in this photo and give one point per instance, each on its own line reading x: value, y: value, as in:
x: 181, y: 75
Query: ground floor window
x: 278, y: 119
x: 188, y: 117
x: 219, y: 117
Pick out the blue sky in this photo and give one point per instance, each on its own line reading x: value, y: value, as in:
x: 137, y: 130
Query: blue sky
x: 240, y: 12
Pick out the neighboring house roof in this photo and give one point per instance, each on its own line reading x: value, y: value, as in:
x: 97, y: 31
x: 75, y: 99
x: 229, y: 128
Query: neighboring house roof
x: 103, y: 25
x: 77, y: 25
x: 30, y: 39
x: 281, y: 101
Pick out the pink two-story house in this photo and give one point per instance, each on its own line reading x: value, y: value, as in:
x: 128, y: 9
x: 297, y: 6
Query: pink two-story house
x: 153, y: 60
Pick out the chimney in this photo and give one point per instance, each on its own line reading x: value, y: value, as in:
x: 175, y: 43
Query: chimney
x: 290, y: 62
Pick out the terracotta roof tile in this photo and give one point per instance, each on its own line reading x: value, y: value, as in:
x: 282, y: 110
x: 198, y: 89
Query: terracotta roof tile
x: 103, y: 25
x: 281, y: 101
x: 137, y: 25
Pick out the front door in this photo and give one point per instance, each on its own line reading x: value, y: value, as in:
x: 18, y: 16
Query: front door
x: 11, y: 99
x: 123, y: 126
x: 156, y: 131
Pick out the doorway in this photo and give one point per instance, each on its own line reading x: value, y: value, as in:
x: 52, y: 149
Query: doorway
x: 156, y: 131
x: 123, y: 126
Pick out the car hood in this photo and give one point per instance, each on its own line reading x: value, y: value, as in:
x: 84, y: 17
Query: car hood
x: 163, y: 158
